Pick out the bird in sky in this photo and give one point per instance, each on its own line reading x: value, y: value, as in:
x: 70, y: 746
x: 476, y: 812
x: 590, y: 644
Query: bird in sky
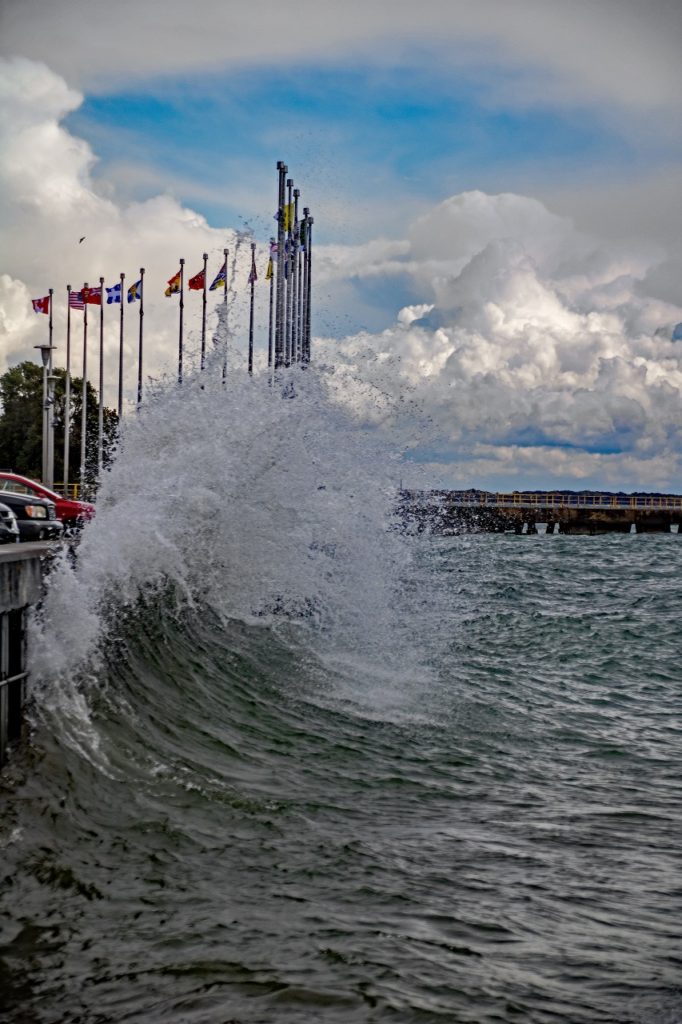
x: 81, y: 239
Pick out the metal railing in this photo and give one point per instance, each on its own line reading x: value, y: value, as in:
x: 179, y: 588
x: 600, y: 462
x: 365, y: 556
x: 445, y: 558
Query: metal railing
x: 557, y: 499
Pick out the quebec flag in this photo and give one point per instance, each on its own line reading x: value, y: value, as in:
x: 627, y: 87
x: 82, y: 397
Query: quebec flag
x: 114, y: 294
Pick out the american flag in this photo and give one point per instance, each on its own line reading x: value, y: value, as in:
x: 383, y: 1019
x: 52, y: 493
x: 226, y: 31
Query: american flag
x: 76, y: 300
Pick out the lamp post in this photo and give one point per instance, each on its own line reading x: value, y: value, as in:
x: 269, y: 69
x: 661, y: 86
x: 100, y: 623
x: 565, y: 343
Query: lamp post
x: 46, y: 355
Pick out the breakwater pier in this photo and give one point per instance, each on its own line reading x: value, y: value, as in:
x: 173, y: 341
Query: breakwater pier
x: 21, y: 586
x: 572, y: 512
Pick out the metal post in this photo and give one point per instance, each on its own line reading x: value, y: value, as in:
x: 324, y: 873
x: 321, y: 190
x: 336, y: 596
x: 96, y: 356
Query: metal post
x: 203, y: 317
x: 43, y: 472
x: 84, y: 401
x: 49, y: 479
x: 100, y: 410
x: 295, y: 340
x: 309, y: 260
x: 67, y: 393
x: 252, y: 279
x: 139, y: 349
x: 120, y: 359
x: 304, y: 290
x: 288, y: 243
x: 279, y: 304
x: 272, y: 295
x: 226, y: 253
x: 182, y: 307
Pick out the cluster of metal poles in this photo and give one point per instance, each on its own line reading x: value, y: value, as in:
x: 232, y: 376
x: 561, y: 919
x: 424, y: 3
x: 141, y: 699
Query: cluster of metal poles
x: 290, y: 288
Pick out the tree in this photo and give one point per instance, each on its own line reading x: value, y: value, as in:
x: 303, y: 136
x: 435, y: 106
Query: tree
x: 21, y: 424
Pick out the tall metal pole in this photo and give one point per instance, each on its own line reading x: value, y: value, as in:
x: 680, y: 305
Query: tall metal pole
x: 84, y: 401
x: 226, y: 253
x: 252, y: 279
x: 272, y: 296
x: 301, y: 286
x: 304, y: 289
x: 295, y: 340
x: 279, y: 305
x: 100, y: 411
x: 67, y: 393
x: 309, y: 260
x: 139, y: 349
x: 182, y: 307
x: 203, y: 316
x: 120, y: 358
x: 49, y: 478
x: 288, y: 243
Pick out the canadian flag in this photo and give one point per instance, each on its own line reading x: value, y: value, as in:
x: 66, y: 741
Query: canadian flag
x: 41, y: 305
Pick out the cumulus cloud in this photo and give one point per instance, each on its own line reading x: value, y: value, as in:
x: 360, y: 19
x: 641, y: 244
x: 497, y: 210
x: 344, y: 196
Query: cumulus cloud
x: 49, y: 201
x: 526, y: 345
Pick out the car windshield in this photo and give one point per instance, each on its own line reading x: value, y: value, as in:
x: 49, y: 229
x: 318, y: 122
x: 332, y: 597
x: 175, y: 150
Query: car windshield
x: 28, y: 487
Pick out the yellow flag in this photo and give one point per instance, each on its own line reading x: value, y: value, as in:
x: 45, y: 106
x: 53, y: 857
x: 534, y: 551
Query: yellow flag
x: 288, y: 216
x: 268, y: 272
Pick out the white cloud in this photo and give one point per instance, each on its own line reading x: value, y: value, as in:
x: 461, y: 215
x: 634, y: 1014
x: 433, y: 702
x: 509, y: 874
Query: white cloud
x: 616, y: 51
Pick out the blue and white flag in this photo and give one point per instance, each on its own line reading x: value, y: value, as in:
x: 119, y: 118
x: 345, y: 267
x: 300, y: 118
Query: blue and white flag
x: 135, y: 291
x: 114, y: 294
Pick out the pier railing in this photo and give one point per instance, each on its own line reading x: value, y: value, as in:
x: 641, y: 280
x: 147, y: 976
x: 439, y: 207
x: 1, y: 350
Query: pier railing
x: 553, y: 499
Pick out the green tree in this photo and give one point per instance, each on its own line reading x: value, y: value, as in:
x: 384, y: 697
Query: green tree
x: 21, y: 424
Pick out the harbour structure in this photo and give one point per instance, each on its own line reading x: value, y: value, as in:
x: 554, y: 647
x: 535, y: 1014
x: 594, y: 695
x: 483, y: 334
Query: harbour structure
x: 572, y: 512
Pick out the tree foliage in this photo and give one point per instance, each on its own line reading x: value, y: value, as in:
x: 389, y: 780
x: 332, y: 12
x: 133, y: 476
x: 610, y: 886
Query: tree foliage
x: 21, y: 424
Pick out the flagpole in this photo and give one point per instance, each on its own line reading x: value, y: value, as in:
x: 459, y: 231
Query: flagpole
x: 279, y: 310
x: 67, y: 393
x: 139, y: 350
x: 203, y: 318
x: 100, y: 411
x: 295, y: 340
x: 226, y: 253
x: 182, y: 307
x: 272, y: 295
x: 287, y: 344
x: 252, y: 277
x: 304, y: 296
x: 300, y: 278
x: 84, y: 402
x: 309, y: 258
x: 120, y: 360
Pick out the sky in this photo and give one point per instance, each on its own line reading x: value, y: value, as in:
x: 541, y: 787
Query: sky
x: 496, y: 192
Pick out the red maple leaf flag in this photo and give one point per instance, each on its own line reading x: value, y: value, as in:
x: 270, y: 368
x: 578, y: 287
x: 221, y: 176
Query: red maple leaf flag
x: 41, y: 305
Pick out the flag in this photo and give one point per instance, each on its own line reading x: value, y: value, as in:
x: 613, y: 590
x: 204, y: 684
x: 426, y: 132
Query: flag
x: 173, y: 285
x: 268, y: 272
x: 135, y: 291
x: 41, y: 305
x: 92, y: 295
x: 273, y: 251
x: 253, y: 276
x: 114, y: 294
x: 220, y: 278
x: 76, y: 300
x: 288, y: 216
x: 197, y: 282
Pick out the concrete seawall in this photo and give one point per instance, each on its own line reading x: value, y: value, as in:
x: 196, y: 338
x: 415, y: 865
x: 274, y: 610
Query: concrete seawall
x: 21, y: 587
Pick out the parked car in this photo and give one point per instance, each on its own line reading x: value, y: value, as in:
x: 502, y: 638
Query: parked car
x: 36, y: 517
x: 9, y: 531
x: 71, y: 512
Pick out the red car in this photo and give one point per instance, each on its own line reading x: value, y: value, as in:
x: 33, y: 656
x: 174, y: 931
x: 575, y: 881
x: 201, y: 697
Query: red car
x: 71, y: 512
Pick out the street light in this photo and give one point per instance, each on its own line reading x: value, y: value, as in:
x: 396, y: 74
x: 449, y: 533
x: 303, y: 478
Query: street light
x: 48, y: 441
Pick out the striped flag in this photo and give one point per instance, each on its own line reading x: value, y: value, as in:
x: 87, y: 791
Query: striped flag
x: 76, y: 300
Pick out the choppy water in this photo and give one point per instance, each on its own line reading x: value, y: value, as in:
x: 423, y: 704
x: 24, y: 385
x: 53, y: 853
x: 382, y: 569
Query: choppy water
x: 320, y: 772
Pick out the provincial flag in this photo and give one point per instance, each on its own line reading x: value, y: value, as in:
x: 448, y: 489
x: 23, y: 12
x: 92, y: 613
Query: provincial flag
x: 173, y: 285
x: 220, y: 280
x: 253, y: 276
x: 135, y: 291
x: 268, y: 272
x: 92, y: 295
x: 76, y: 300
x: 41, y: 305
x: 273, y: 251
x: 197, y: 282
x: 114, y: 294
